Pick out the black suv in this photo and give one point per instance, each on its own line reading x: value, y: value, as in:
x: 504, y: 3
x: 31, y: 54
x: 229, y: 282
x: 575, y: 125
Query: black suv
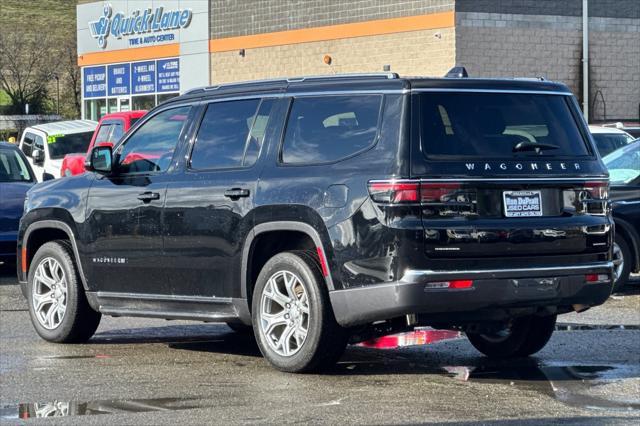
x: 322, y: 209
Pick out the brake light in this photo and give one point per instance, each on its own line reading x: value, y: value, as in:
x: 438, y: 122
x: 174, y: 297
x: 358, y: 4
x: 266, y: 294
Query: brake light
x: 394, y: 192
x: 455, y: 284
x: 598, y: 190
x: 413, y: 191
x: 431, y: 192
x: 596, y: 278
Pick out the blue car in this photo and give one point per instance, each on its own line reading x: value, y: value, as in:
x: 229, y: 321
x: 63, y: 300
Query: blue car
x: 16, y: 178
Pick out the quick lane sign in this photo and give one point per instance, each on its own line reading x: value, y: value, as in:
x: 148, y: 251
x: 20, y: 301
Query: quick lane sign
x: 142, y: 23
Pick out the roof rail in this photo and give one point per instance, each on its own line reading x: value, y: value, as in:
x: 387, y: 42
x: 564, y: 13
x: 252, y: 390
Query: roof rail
x: 382, y: 75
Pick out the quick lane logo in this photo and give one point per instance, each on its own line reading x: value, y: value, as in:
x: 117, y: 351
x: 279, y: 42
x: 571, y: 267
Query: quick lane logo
x: 533, y: 166
x: 139, y: 22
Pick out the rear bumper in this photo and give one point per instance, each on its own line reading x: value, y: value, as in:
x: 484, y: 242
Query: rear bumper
x: 492, y: 289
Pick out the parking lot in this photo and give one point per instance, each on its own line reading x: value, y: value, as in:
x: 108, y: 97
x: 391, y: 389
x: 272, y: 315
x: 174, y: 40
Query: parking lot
x: 139, y: 371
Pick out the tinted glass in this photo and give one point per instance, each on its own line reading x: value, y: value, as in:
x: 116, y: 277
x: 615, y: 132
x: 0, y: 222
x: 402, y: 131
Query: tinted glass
x: 490, y: 125
x: 256, y: 139
x: 624, y: 164
x: 151, y: 147
x: 117, y: 132
x: 223, y: 134
x: 104, y: 133
x: 609, y: 142
x: 13, y: 168
x: 61, y: 145
x: 330, y: 128
x: 27, y: 144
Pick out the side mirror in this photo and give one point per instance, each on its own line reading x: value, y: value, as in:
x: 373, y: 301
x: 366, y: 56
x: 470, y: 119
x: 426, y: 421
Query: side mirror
x: 38, y: 156
x: 99, y: 160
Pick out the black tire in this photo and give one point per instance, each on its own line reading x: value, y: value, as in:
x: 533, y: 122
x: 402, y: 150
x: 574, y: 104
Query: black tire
x: 79, y: 321
x: 526, y: 336
x: 620, y: 282
x: 325, y: 340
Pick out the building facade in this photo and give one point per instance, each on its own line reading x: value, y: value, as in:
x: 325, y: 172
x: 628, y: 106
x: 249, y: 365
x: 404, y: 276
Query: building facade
x: 233, y: 40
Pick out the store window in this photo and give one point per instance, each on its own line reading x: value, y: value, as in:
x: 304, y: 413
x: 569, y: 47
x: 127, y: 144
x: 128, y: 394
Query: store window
x: 94, y: 109
x: 143, y: 102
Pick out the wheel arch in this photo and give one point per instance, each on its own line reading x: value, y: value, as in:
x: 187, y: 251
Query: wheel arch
x: 37, y: 233
x: 280, y: 226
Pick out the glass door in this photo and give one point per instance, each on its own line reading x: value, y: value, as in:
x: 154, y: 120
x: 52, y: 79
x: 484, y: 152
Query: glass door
x: 124, y: 104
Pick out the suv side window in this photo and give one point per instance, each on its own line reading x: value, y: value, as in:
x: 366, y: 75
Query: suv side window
x: 38, y: 143
x: 231, y: 134
x: 330, y: 128
x: 151, y: 147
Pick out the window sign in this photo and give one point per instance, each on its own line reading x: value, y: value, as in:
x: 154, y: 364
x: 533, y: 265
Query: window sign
x: 143, y: 76
x: 118, y: 79
x: 95, y: 82
x: 168, y: 72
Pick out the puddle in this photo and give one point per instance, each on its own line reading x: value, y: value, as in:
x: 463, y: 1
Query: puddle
x: 581, y: 386
x: 582, y: 327
x: 99, y: 356
x: 62, y: 408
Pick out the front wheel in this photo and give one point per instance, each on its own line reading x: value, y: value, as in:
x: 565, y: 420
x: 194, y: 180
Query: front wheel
x: 58, y: 307
x: 292, y: 317
x: 520, y: 338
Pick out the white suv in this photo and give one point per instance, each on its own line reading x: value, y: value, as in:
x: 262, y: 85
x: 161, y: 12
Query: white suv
x: 45, y: 145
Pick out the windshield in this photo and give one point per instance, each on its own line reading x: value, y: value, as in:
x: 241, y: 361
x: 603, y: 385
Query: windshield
x: 13, y: 168
x: 624, y: 164
x: 609, y: 142
x: 61, y: 145
x: 498, y: 125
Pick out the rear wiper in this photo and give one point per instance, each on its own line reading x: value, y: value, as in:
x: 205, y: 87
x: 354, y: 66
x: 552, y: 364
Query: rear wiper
x: 533, y: 146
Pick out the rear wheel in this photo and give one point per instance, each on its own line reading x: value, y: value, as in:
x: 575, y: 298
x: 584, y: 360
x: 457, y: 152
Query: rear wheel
x: 621, y: 263
x: 293, y: 321
x: 521, y: 337
x: 57, y: 304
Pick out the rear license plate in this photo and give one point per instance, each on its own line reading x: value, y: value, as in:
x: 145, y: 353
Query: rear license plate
x: 522, y: 203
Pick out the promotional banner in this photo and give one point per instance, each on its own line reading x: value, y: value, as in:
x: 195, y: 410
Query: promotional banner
x: 143, y: 76
x: 168, y: 75
x: 95, y: 82
x: 118, y: 79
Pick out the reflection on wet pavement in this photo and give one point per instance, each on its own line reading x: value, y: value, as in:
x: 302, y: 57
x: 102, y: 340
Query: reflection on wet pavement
x: 62, y: 408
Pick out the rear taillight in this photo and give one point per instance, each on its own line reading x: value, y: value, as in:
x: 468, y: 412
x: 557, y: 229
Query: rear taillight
x: 591, y: 198
x: 596, y: 278
x: 394, y: 192
x: 598, y: 190
x: 449, y: 285
x: 416, y: 191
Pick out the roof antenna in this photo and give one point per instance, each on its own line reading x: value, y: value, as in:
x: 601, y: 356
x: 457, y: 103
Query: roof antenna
x: 457, y: 72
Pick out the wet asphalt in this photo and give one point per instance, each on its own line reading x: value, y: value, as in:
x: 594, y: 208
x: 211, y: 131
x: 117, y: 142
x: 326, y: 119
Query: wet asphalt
x: 141, y: 371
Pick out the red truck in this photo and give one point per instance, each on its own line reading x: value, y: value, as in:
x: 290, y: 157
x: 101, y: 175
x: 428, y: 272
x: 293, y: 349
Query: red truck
x: 110, y: 129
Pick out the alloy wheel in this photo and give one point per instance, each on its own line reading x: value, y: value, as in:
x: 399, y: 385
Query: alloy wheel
x: 49, y: 293
x: 618, y: 261
x: 284, y: 313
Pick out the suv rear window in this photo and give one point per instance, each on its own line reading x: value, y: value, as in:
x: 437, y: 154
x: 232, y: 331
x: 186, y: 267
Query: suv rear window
x: 61, y: 145
x: 330, y: 128
x: 498, y: 125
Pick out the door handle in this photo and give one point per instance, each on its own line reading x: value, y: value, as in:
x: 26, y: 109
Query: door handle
x: 148, y: 196
x: 235, y: 193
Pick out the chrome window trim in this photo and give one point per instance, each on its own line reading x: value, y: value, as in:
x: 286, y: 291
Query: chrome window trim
x: 465, y: 90
x: 490, y: 179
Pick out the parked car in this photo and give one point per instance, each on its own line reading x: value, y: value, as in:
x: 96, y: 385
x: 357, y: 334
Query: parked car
x: 632, y: 128
x: 111, y: 128
x: 16, y: 177
x: 45, y: 145
x: 608, y: 139
x: 624, y: 170
x: 319, y: 208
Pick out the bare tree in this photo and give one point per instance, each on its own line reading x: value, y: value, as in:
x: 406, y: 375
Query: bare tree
x: 69, y: 73
x: 25, y: 68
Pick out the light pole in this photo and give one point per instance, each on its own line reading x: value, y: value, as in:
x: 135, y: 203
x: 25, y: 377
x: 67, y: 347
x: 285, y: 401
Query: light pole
x: 57, y: 93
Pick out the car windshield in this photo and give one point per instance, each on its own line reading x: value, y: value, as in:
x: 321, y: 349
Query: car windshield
x: 13, y: 168
x: 61, y: 145
x: 609, y: 142
x: 499, y: 125
x: 624, y: 164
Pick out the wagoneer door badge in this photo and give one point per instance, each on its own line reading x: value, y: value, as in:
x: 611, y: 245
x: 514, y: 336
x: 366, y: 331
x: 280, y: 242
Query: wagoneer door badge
x: 110, y: 260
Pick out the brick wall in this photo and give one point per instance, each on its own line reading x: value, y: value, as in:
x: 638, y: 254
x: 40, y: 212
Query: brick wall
x: 427, y: 52
x: 239, y: 17
x: 525, y: 45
